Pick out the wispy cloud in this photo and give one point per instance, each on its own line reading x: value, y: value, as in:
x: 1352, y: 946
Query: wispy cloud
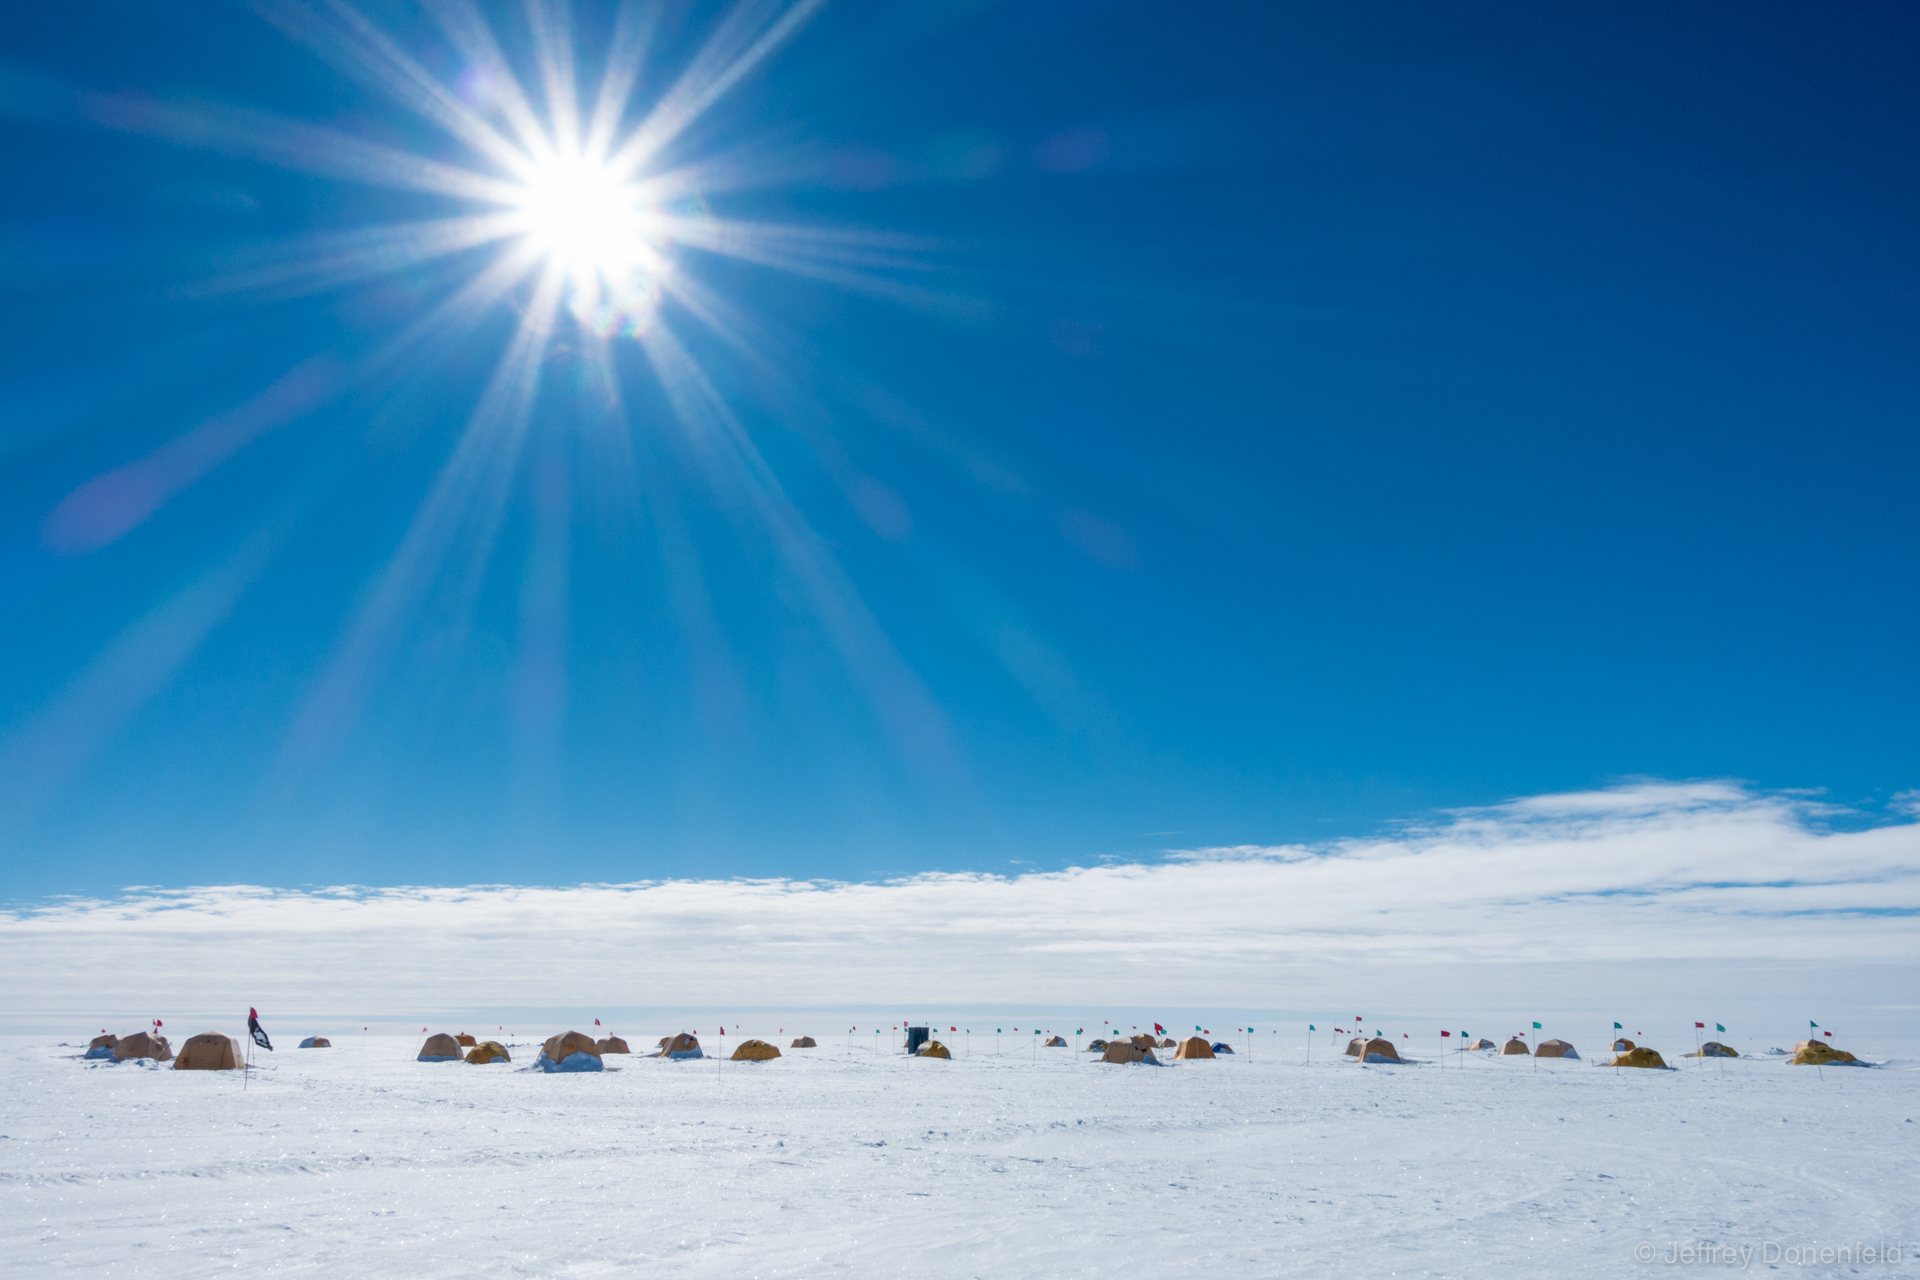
x: 1652, y: 872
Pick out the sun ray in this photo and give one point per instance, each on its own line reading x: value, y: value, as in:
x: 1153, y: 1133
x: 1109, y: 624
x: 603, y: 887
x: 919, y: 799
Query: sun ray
x: 633, y: 30
x: 553, y: 54
x: 317, y: 263
x: 473, y: 37
x: 354, y: 44
x: 706, y: 80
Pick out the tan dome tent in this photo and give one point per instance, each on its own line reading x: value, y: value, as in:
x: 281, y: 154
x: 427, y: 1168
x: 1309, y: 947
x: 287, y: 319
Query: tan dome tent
x: 1193, y: 1047
x: 804, y: 1042
x: 1168, y: 1043
x: 1056, y: 1042
x: 665, y: 1041
x: 1515, y: 1045
x: 1818, y: 1053
x: 612, y: 1044
x: 440, y: 1047
x: 1641, y: 1057
x: 102, y: 1046
x: 1622, y: 1045
x: 1354, y: 1047
x: 143, y: 1044
x: 1555, y: 1049
x: 210, y: 1051
x: 1127, y: 1051
x: 680, y: 1046
x: 1482, y: 1043
x: 1097, y: 1046
x: 754, y: 1051
x: 563, y: 1046
x: 1145, y: 1042
x: 933, y: 1049
x: 1379, y: 1049
x: 316, y: 1042
x: 465, y: 1041
x: 1714, y: 1049
x: 488, y: 1051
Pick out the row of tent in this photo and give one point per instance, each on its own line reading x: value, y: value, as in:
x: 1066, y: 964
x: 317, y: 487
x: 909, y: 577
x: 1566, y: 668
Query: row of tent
x: 1627, y: 1054
x: 208, y: 1051
x: 577, y: 1051
x: 1140, y: 1048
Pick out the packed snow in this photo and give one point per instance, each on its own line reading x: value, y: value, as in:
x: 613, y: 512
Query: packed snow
x: 360, y: 1161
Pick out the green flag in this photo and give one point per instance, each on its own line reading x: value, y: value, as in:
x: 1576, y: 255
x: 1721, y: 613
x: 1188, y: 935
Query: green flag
x: 1536, y: 1026
x: 1718, y: 1027
x: 1616, y: 1026
x: 1814, y: 1025
x: 1311, y: 1027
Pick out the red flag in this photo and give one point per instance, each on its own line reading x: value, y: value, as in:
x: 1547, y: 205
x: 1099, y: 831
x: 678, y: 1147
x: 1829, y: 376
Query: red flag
x: 596, y: 1022
x: 1827, y: 1034
x: 1700, y: 1024
x: 1157, y: 1027
x: 1445, y: 1034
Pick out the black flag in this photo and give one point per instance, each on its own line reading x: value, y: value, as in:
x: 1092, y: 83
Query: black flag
x: 259, y: 1034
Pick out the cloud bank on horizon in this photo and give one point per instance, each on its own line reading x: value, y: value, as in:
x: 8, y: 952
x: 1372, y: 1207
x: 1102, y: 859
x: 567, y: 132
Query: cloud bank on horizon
x: 1654, y: 872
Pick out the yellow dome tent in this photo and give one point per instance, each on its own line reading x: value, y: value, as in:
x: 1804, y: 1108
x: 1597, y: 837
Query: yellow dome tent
x: 1818, y: 1053
x: 1714, y: 1049
x: 1555, y: 1049
x: 1642, y: 1057
x: 933, y: 1049
x: 488, y: 1051
x: 143, y: 1044
x: 1622, y: 1045
x: 804, y: 1042
x: 210, y: 1051
x: 1145, y: 1042
x: 612, y: 1044
x: 1193, y: 1047
x: 1096, y: 1046
x: 1379, y: 1049
x: 440, y: 1047
x: 754, y: 1051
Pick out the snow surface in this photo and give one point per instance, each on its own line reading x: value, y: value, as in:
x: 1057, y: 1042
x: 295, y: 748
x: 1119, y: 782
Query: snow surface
x: 360, y: 1161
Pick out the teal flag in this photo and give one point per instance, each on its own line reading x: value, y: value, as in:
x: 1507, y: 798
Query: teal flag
x: 1814, y: 1025
x: 1718, y: 1027
x: 1536, y: 1026
x: 1311, y: 1027
x: 1616, y: 1026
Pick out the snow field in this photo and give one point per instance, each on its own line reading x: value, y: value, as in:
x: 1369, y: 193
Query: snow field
x: 358, y: 1161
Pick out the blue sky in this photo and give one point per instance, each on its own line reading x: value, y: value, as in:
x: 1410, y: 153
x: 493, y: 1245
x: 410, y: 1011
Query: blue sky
x: 1057, y: 432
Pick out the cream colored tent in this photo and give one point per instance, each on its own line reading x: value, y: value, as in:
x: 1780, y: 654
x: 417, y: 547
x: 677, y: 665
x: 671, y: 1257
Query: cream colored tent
x: 680, y: 1046
x: 1622, y: 1045
x: 1193, y: 1047
x: 465, y: 1041
x: 1379, y: 1049
x: 1713, y: 1049
x: 1482, y: 1043
x: 612, y: 1044
x: 210, y: 1051
x: 1814, y: 1053
x: 1127, y: 1051
x: 488, y: 1051
x: 1515, y: 1045
x: 1354, y: 1047
x: 1641, y: 1057
x: 102, y: 1042
x: 754, y: 1051
x: 804, y: 1042
x: 1555, y: 1049
x: 1168, y: 1043
x: 1056, y: 1042
x: 933, y: 1049
x: 316, y: 1042
x: 440, y: 1047
x: 1145, y: 1042
x: 143, y: 1044
x: 1097, y: 1046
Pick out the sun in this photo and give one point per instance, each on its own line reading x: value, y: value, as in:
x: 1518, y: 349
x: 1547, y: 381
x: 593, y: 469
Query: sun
x: 595, y: 228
